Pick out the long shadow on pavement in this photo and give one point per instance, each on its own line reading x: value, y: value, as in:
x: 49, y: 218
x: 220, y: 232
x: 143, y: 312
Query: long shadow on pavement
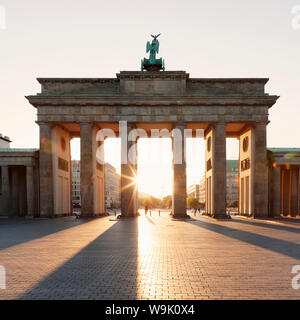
x: 284, y: 247
x: 104, y: 269
x: 17, y: 231
x: 268, y: 225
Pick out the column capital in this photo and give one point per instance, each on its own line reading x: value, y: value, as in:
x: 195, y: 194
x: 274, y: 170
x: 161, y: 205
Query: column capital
x: 86, y: 123
x: 261, y: 123
x: 131, y: 125
x: 213, y: 125
x: 179, y: 124
x: 45, y: 123
x: 219, y: 123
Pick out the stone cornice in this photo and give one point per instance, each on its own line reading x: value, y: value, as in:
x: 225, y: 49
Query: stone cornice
x: 128, y: 100
x: 14, y: 152
x: 135, y: 75
x: 232, y: 80
x: 76, y: 80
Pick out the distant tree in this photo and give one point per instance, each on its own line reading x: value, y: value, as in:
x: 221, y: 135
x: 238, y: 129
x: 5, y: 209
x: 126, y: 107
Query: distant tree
x: 166, y: 202
x: 169, y: 203
x: 150, y: 202
x: 192, y: 202
x: 154, y: 202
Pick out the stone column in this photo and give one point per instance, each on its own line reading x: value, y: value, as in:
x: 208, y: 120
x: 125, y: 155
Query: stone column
x: 260, y: 171
x: 86, y: 169
x: 99, y: 174
x: 276, y: 186
x: 5, y: 190
x: 22, y: 192
x: 208, y: 171
x: 46, y: 170
x: 128, y: 172
x: 30, y: 191
x: 179, y: 172
x: 218, y: 184
x: 70, y: 175
x: 15, y: 191
x: 135, y: 169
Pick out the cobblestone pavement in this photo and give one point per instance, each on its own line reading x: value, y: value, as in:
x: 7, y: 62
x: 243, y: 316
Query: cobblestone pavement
x: 150, y: 257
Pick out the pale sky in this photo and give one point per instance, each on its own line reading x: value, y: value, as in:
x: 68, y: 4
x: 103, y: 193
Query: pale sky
x: 94, y: 38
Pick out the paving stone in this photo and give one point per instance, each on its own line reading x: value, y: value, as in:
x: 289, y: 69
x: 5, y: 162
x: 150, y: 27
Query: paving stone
x: 66, y: 258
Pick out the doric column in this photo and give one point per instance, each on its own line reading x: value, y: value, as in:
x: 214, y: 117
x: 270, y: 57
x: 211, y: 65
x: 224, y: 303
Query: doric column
x: 15, y: 191
x: 5, y: 190
x: 208, y: 171
x: 46, y: 170
x: 102, y: 186
x: 218, y: 164
x: 30, y: 191
x: 86, y: 169
x: 70, y: 177
x: 285, y: 192
x: 260, y: 171
x: 99, y: 174
x: 135, y: 170
x: 179, y: 172
x: 128, y: 172
x: 275, y: 208
x: 22, y: 193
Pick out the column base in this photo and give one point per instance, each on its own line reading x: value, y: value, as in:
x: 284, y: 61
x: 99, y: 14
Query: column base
x: 217, y: 216
x: 181, y: 217
x: 91, y: 215
x: 221, y: 216
x: 124, y: 216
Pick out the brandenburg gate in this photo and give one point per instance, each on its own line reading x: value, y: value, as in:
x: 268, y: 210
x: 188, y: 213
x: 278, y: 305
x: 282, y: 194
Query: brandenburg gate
x: 152, y: 99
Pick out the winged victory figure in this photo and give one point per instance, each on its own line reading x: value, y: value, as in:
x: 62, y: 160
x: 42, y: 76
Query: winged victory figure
x: 153, y: 64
